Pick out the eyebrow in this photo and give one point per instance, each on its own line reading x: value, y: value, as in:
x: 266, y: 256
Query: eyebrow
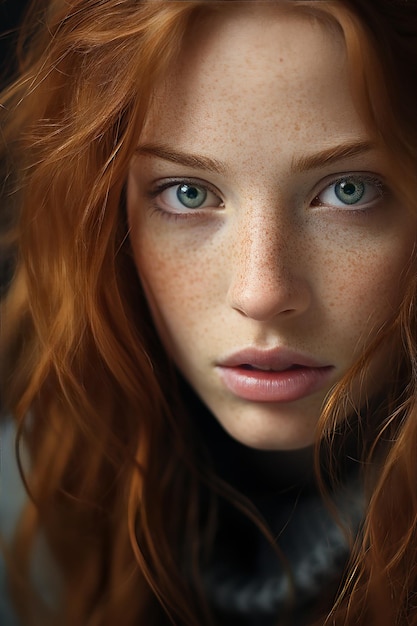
x: 299, y: 164
x: 196, y: 161
x: 331, y: 155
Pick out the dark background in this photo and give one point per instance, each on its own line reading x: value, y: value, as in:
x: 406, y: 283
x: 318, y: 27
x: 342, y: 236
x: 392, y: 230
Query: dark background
x: 10, y: 15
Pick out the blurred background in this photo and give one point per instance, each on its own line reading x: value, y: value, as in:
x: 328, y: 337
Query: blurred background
x: 11, y: 12
x: 10, y: 15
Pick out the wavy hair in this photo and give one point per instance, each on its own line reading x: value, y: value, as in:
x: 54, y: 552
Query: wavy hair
x: 83, y: 372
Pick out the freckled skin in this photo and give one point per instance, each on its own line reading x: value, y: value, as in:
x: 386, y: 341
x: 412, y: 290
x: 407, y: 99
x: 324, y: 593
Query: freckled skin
x: 255, y: 89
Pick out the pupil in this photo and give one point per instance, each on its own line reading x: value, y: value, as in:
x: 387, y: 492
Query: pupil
x: 350, y: 191
x: 349, y: 188
x: 190, y: 192
x: 191, y: 196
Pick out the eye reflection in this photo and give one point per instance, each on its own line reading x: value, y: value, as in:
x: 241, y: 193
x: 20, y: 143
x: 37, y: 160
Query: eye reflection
x: 356, y: 192
x: 191, y: 196
x: 178, y: 197
x: 350, y: 191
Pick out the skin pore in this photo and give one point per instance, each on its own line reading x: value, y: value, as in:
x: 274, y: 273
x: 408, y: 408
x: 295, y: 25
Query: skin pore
x: 262, y: 223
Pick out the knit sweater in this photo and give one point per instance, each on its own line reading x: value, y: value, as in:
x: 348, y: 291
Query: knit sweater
x: 246, y: 581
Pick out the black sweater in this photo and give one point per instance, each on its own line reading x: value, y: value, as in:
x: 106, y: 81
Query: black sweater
x: 246, y: 582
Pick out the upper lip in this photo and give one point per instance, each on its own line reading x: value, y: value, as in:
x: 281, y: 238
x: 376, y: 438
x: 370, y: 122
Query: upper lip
x: 278, y: 359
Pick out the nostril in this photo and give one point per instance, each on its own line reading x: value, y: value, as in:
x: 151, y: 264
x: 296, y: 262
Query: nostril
x: 262, y: 303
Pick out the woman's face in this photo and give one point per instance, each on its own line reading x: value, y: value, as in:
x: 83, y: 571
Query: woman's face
x: 264, y: 232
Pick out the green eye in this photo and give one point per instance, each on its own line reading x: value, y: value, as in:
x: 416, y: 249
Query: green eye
x: 350, y: 191
x: 191, y: 196
x: 186, y: 197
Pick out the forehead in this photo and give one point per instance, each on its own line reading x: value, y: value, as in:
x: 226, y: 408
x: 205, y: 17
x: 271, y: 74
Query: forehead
x: 259, y: 73
x: 248, y: 46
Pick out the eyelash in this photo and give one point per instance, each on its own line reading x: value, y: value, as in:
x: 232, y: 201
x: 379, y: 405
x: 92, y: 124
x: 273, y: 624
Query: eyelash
x: 367, y: 179
x: 380, y: 191
x: 176, y: 182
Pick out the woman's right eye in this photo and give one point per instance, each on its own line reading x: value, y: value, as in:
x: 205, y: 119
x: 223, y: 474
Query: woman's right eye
x: 185, y: 197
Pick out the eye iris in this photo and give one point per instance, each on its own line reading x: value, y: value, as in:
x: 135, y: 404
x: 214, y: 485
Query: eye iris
x: 191, y: 196
x: 350, y: 191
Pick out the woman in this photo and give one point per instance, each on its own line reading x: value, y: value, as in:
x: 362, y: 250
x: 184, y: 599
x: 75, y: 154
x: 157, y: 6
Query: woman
x: 209, y: 341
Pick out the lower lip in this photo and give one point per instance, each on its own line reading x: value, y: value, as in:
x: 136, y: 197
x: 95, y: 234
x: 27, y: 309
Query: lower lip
x: 269, y: 386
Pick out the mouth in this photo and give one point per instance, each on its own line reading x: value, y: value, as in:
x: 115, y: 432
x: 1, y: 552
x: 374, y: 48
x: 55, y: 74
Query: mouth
x: 273, y: 376
x: 266, y: 368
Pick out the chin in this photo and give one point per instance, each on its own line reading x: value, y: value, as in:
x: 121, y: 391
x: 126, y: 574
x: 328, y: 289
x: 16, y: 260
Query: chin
x: 264, y: 439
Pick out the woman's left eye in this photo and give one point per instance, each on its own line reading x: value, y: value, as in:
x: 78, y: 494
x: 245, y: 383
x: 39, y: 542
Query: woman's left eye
x: 185, y: 196
x: 356, y: 192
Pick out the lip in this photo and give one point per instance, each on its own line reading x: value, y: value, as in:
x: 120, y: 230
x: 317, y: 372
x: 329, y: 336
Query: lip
x: 278, y: 375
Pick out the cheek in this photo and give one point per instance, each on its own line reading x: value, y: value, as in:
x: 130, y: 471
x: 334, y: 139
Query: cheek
x: 167, y: 275
x: 181, y: 283
x: 363, y: 285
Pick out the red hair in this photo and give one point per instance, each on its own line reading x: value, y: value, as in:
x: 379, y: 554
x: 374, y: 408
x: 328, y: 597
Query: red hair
x: 84, y: 374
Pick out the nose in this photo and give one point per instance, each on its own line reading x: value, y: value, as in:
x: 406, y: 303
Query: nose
x: 268, y: 277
